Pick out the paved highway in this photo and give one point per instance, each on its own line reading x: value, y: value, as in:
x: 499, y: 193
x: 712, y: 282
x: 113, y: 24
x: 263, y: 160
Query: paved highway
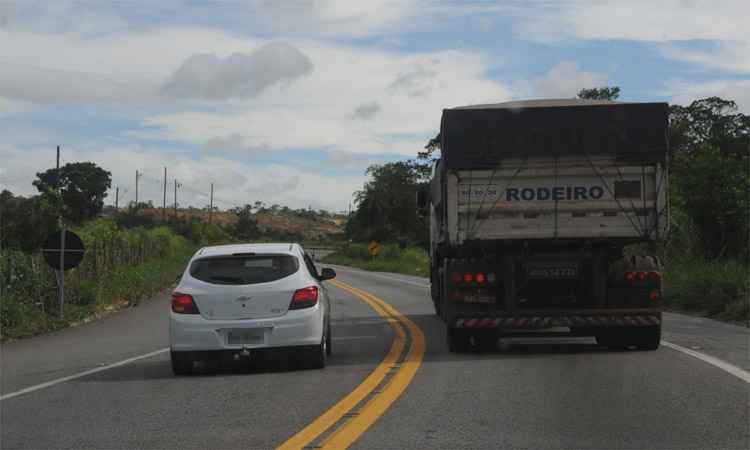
x: 390, y: 383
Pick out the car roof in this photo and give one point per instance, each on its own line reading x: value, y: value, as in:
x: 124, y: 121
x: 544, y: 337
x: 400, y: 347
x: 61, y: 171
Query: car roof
x: 288, y: 248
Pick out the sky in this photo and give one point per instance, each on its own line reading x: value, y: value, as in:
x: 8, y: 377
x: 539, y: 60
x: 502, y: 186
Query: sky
x: 288, y: 102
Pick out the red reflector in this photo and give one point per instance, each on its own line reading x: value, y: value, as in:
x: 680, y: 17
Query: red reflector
x: 456, y: 277
x: 630, y: 276
x: 654, y: 295
x: 480, y: 278
x: 304, y: 298
x: 642, y: 276
x: 468, y: 278
x: 183, y: 304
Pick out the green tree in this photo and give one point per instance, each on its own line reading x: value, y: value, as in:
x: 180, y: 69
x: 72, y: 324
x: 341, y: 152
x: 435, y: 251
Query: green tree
x: 386, y: 207
x: 83, y: 187
x: 25, y: 222
x: 709, y: 121
x: 246, y: 226
x: 602, y: 93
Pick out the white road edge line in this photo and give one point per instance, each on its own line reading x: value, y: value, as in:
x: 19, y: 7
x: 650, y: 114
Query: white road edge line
x: 81, y: 374
x: 716, y: 362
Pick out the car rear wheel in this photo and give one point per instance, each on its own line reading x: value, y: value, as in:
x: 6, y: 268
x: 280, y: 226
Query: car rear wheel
x: 329, y: 347
x: 314, y: 356
x: 182, y: 363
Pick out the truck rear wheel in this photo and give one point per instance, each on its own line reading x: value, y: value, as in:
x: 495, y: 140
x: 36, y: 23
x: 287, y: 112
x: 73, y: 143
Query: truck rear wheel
x: 643, y: 338
x: 647, y: 338
x: 459, y: 341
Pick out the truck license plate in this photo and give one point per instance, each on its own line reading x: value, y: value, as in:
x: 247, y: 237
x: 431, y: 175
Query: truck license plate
x: 246, y: 336
x: 553, y: 273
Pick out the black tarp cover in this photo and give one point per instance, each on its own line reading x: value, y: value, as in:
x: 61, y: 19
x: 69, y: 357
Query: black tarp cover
x: 482, y: 135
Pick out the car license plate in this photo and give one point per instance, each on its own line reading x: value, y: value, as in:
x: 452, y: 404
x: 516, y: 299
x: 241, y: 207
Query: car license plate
x: 246, y: 336
x: 552, y: 273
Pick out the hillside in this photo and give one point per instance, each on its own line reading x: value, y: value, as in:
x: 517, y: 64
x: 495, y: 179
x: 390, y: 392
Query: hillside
x: 309, y: 226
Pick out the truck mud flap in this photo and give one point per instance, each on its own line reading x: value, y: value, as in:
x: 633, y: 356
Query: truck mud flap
x: 539, y: 322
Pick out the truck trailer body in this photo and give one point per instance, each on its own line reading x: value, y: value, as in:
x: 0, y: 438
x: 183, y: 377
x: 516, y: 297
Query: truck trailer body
x: 531, y: 207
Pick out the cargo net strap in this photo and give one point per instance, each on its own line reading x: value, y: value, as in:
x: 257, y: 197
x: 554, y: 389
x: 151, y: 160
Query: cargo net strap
x: 642, y: 228
x: 478, y: 216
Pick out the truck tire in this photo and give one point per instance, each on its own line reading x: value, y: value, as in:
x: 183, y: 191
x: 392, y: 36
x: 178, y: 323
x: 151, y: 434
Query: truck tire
x: 182, y: 363
x: 459, y: 341
x: 642, y: 338
x: 647, y: 338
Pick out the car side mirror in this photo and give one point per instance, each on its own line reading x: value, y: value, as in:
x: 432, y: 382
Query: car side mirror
x: 327, y: 274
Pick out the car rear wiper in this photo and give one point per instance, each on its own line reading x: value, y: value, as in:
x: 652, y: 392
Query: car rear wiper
x: 226, y: 279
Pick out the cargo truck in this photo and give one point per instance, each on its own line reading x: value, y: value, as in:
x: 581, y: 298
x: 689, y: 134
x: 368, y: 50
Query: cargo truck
x: 532, y: 205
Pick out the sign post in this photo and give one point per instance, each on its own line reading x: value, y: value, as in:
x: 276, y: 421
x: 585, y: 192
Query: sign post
x: 63, y: 250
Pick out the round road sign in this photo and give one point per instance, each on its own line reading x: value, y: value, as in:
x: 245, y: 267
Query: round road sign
x: 73, y: 253
x: 374, y: 248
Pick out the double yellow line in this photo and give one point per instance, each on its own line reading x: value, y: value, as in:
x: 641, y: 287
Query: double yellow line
x: 375, y: 402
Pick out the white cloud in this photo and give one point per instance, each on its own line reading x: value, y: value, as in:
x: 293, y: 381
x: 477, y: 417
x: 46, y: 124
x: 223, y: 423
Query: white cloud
x: 238, y: 75
x: 122, y: 67
x: 235, y: 183
x: 366, y: 111
x: 733, y: 56
x: 339, y: 17
x: 685, y: 92
x: 665, y: 22
x: 636, y: 20
x: 565, y: 80
x: 313, y: 111
x: 236, y: 142
x: 7, y: 11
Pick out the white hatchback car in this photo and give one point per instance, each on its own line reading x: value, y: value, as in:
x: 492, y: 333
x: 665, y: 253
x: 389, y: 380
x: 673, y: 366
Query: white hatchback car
x: 237, y: 299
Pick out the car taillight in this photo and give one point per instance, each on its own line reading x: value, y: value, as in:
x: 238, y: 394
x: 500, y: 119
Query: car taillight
x: 304, y: 298
x: 183, y: 304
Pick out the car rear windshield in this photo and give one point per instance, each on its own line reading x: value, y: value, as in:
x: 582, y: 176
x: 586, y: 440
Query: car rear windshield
x: 243, y: 269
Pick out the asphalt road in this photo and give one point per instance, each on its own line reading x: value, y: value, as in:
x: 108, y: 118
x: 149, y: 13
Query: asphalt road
x: 529, y: 393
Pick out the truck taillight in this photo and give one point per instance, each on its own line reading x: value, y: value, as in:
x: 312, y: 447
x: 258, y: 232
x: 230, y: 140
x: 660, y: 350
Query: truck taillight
x: 470, y: 278
x: 183, y: 304
x: 304, y: 298
x: 643, y: 276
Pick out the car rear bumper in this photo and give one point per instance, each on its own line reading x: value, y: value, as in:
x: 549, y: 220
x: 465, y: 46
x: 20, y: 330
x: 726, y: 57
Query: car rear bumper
x: 191, y: 332
x: 538, y: 321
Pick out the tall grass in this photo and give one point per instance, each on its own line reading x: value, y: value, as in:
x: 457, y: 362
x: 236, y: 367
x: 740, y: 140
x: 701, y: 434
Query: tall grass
x: 410, y: 260
x: 121, y: 267
x: 719, y: 289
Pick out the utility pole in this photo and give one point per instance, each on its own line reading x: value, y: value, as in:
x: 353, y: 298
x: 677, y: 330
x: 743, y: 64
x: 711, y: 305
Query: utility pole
x: 164, y: 203
x: 176, y: 185
x: 60, y: 273
x: 117, y: 197
x: 137, y: 177
x: 211, y: 204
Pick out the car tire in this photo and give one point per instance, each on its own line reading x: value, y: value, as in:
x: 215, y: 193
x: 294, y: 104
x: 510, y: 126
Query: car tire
x: 329, y: 339
x: 314, y: 356
x: 182, y: 363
